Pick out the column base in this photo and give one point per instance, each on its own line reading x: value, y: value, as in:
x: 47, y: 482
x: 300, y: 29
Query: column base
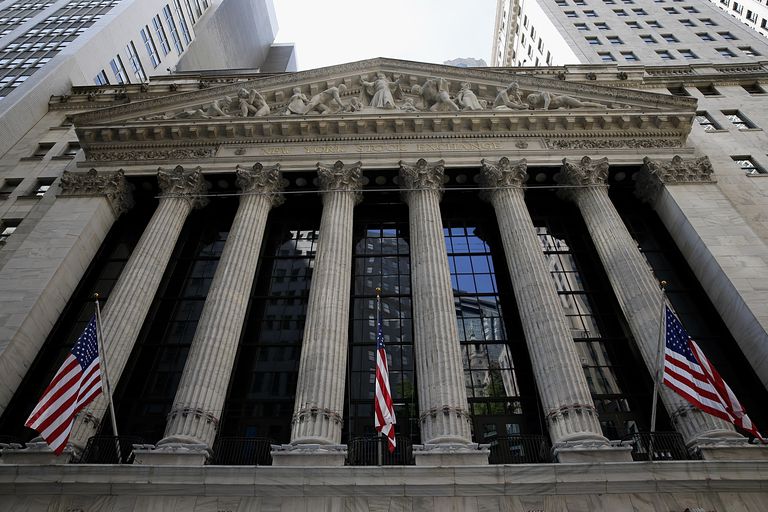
x: 38, y: 453
x: 592, y: 451
x: 171, y: 454
x: 309, y: 454
x: 739, y: 448
x: 472, y: 454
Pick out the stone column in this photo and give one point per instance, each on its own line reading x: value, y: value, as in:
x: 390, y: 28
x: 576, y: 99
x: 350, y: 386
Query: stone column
x: 127, y: 305
x: 194, y: 418
x: 573, y: 423
x: 633, y: 283
x: 657, y: 184
x: 319, y: 406
x: 443, y: 408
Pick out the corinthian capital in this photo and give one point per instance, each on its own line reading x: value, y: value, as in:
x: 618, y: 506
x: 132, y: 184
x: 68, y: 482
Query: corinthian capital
x: 111, y: 185
x: 341, y: 178
x: 189, y: 185
x: 584, y: 173
x: 679, y: 170
x: 422, y: 176
x: 505, y: 174
x: 262, y: 180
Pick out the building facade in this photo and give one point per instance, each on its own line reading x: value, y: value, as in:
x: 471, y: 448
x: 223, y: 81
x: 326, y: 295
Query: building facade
x: 518, y: 226
x: 750, y: 12
x: 557, y: 32
x: 45, y: 47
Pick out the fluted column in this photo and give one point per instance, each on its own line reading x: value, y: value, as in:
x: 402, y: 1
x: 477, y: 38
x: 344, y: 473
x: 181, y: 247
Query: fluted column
x: 633, y: 283
x: 443, y: 414
x: 319, y: 405
x: 565, y: 396
x: 127, y: 305
x: 196, y: 411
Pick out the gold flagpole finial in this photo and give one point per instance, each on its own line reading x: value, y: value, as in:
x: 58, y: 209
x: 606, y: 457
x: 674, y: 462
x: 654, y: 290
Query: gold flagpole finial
x: 663, y: 284
x: 96, y: 296
x: 378, y: 291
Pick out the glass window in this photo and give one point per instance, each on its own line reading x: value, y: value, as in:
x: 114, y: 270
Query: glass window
x: 633, y: 24
x: 182, y: 22
x: 664, y: 55
x: 654, y: 24
x: 133, y: 58
x: 571, y: 14
x: 602, y: 26
x: 708, y: 90
x: 725, y: 52
x: 738, y: 119
x: 748, y: 165
x: 620, y: 13
x: 648, y: 38
x: 640, y: 12
x: 630, y: 57
x: 101, y: 78
x: 704, y: 120
x: 727, y: 36
x: 42, y: 185
x: 561, y: 3
x: 42, y: 149
x: 70, y: 151
x: 160, y: 32
x: 708, y: 22
x: 7, y: 228
x: 669, y: 38
x: 169, y: 21
x: 671, y: 10
x: 593, y: 41
x: 690, y: 9
x: 119, y: 70
x: 753, y: 88
x: 678, y: 90
x: 704, y: 36
x: 582, y: 27
x: 590, y: 14
x: 615, y: 40
x: 606, y: 57
x: 749, y: 51
x: 688, y: 54
x: 8, y: 186
x: 149, y: 45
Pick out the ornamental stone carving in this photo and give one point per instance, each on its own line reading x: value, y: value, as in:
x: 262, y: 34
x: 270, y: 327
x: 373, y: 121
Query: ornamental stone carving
x: 189, y: 185
x: 505, y: 174
x: 612, y: 143
x: 435, y: 95
x: 655, y: 174
x: 586, y: 172
x: 99, y: 155
x: 262, y: 180
x: 380, y: 93
x: 112, y: 185
x: 422, y: 176
x: 343, y: 178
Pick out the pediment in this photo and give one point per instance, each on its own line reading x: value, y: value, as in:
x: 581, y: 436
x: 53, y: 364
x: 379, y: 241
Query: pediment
x: 386, y: 97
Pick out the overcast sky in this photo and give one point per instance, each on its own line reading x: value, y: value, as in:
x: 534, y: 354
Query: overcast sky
x: 328, y: 32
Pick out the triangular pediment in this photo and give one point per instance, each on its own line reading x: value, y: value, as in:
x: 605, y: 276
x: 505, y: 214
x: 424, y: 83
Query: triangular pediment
x: 381, y: 97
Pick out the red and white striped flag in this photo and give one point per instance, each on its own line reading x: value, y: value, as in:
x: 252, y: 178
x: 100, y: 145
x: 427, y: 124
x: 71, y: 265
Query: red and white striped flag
x: 384, y: 408
x: 77, y: 382
x: 690, y: 374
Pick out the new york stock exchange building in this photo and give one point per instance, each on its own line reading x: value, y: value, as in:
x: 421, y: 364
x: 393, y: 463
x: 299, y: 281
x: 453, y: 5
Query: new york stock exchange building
x: 518, y: 225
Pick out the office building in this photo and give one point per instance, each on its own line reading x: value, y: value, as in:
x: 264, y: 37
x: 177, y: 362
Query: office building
x: 517, y: 224
x: 557, y: 32
x: 45, y: 47
x: 752, y: 13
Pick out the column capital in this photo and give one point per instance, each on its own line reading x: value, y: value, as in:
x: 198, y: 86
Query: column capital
x: 341, y: 178
x: 267, y: 181
x: 586, y: 172
x: 422, y: 176
x: 656, y: 173
x: 189, y: 185
x: 505, y: 174
x: 111, y: 185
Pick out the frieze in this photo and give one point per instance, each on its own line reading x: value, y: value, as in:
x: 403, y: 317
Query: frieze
x: 504, y: 174
x: 617, y: 143
x: 111, y: 185
x: 262, y: 180
x: 341, y: 178
x: 189, y: 185
x: 103, y: 155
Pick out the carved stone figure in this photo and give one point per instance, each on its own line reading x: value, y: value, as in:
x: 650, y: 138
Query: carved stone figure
x: 435, y: 95
x: 509, y: 99
x: 217, y: 108
x: 298, y: 103
x: 322, y: 102
x: 408, y: 105
x: 380, y: 93
x: 354, y: 105
x: 548, y: 101
x: 467, y: 99
x: 252, y: 103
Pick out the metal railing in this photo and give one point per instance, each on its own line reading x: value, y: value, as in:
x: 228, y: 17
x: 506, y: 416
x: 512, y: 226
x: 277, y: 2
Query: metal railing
x: 109, y: 450
x: 374, y: 451
x: 521, y: 449
x: 666, y: 446
x: 242, y: 451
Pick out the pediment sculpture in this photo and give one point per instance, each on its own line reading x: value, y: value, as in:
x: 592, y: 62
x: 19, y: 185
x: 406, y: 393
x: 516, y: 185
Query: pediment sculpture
x: 435, y: 94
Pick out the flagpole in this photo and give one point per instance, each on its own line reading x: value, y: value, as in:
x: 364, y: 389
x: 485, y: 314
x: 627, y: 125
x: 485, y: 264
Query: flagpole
x: 105, y: 378
x: 379, y: 443
x: 659, y: 367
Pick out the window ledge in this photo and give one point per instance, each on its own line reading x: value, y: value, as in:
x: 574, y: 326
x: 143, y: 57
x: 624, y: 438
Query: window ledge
x: 758, y: 175
x: 30, y: 158
x: 62, y: 157
x: 750, y: 129
x: 719, y: 130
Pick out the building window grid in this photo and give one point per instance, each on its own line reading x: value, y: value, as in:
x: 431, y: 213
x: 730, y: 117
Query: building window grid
x: 149, y: 44
x: 133, y: 58
x: 738, y: 119
x: 704, y: 120
x: 182, y: 22
x: 118, y: 69
x: 7, y: 228
x: 172, y: 27
x: 157, y: 24
x: 748, y: 165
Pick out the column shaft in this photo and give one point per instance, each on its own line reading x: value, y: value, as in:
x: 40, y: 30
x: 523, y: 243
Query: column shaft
x: 442, y: 392
x: 319, y: 406
x: 199, y: 401
x: 635, y: 287
x: 127, y: 305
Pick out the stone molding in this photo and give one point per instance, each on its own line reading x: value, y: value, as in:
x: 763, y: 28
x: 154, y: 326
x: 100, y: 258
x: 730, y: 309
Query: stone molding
x: 341, y: 178
x: 113, y: 186
x: 563, y: 412
x: 422, y: 176
x: 188, y: 185
x: 505, y: 174
x: 163, y: 153
x: 446, y: 410
x: 305, y: 412
x: 262, y: 180
x: 614, y: 143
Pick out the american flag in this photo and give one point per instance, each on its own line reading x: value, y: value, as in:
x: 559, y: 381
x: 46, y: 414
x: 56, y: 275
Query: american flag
x: 384, y: 408
x: 77, y: 382
x: 690, y: 374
